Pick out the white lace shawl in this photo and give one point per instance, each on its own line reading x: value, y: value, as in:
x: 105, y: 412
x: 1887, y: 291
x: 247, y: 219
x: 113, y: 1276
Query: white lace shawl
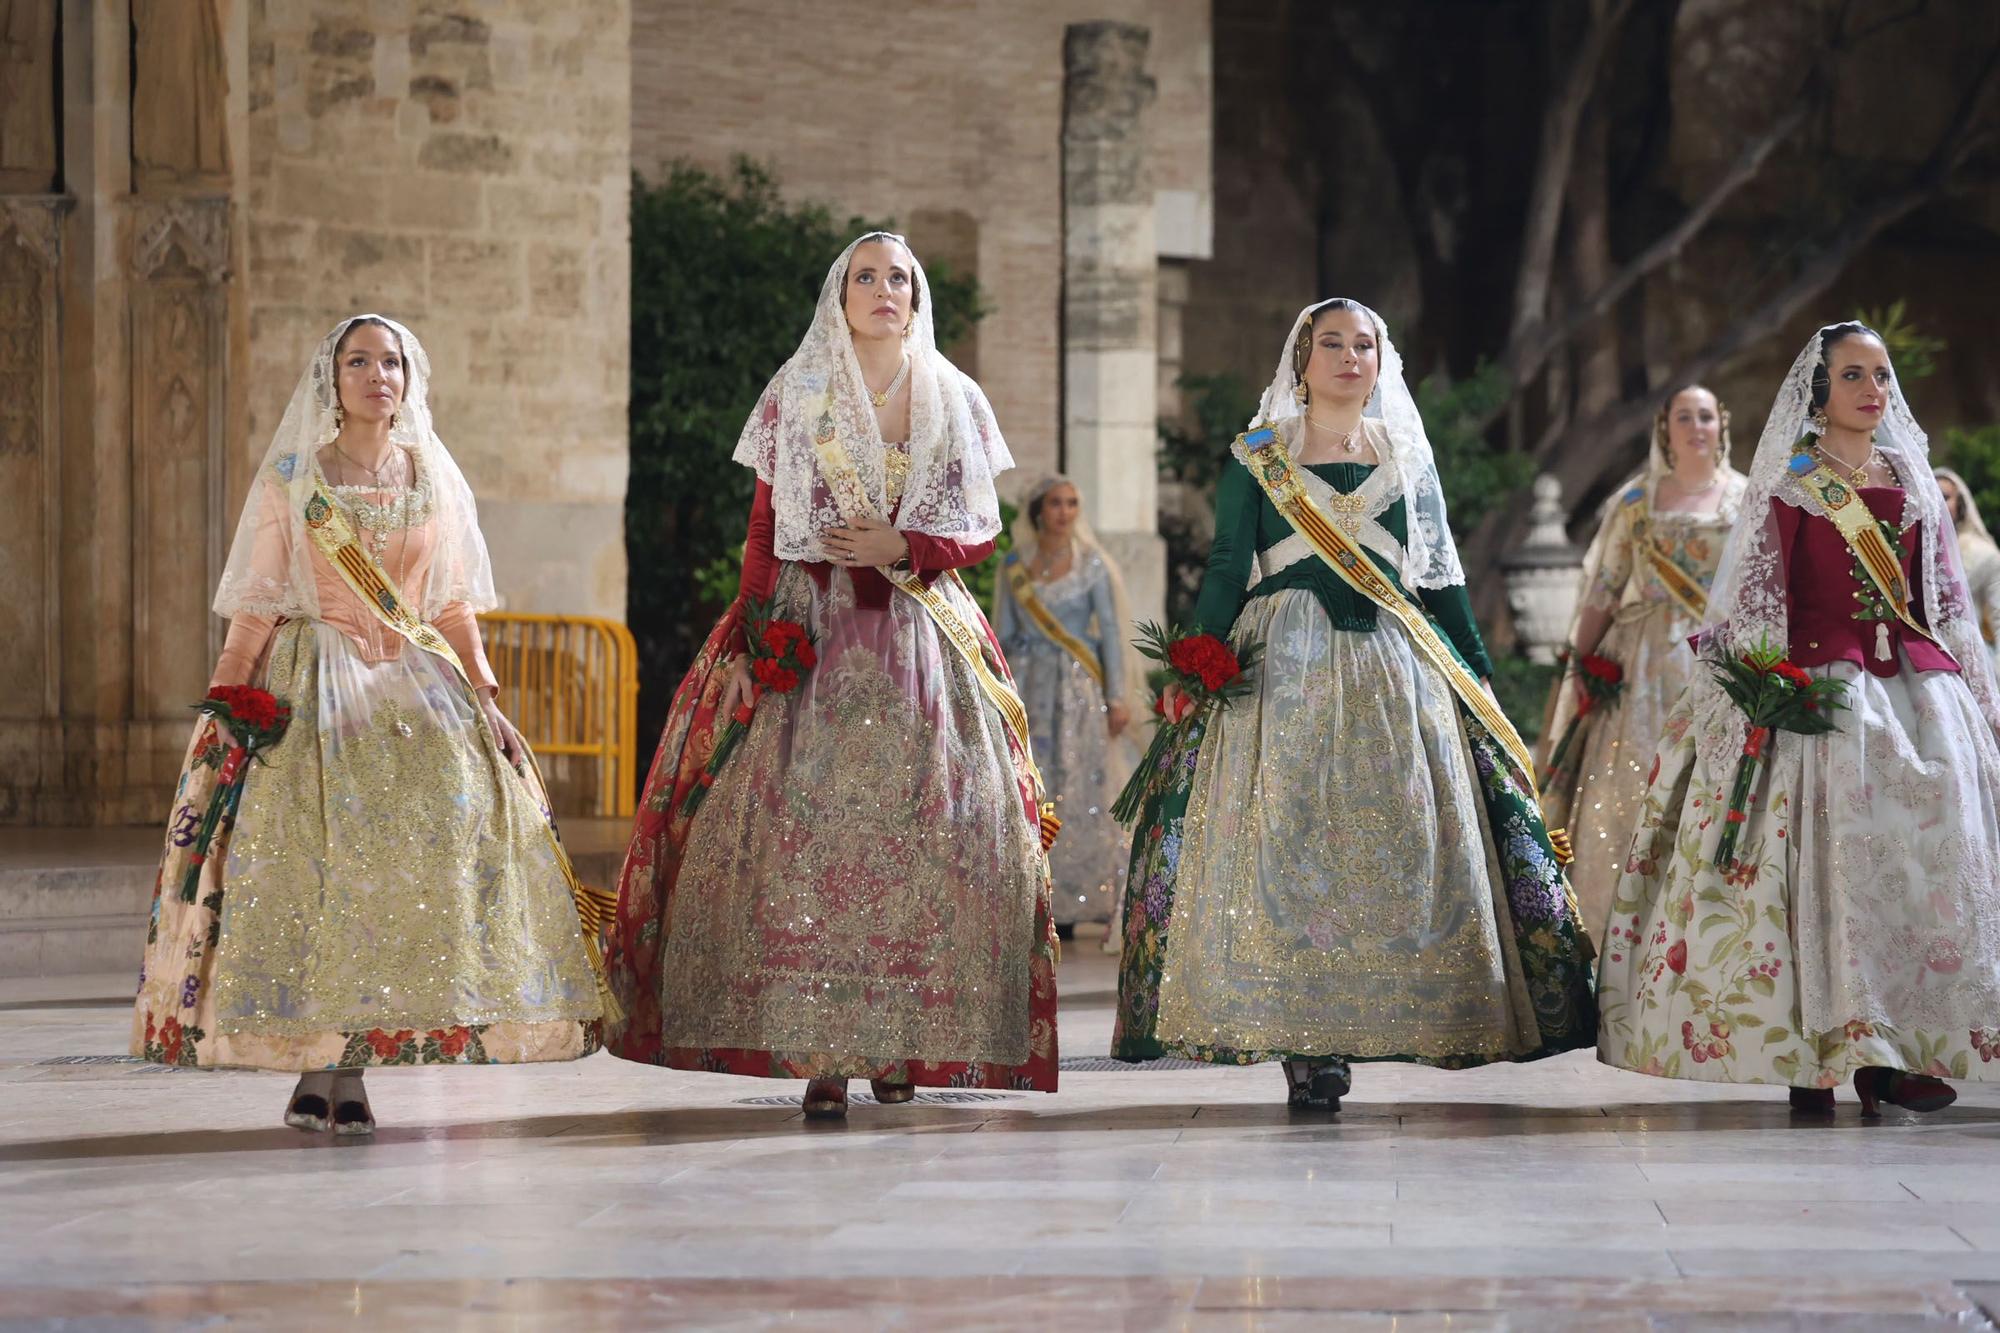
x: 955, y: 447
x: 1430, y: 556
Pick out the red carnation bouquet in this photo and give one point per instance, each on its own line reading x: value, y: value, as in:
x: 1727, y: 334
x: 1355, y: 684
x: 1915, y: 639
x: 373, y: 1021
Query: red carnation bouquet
x: 1603, y: 680
x: 1210, y: 674
x: 1776, y: 695
x: 257, y: 719
x: 781, y: 652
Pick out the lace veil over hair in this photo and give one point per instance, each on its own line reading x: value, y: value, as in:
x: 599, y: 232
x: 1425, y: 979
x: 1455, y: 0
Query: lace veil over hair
x: 269, y: 571
x: 1746, y: 606
x: 1973, y: 524
x: 1430, y: 556
x: 955, y: 447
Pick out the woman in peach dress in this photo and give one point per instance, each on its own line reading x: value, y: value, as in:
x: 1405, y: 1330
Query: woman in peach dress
x: 390, y: 891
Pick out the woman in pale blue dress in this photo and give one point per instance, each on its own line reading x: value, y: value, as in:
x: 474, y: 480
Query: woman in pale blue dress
x: 1059, y: 615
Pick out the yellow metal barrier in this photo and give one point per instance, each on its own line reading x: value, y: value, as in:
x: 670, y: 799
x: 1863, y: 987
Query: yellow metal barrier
x: 571, y: 685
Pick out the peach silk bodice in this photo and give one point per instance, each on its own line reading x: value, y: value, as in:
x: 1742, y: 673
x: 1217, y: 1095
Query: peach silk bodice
x: 405, y: 558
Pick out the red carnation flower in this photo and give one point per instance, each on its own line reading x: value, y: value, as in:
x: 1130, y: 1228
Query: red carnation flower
x: 808, y: 656
x: 1206, y: 658
x: 1604, y: 668
x: 451, y: 1043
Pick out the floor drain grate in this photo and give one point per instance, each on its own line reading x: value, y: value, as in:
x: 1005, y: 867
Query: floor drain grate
x: 1101, y: 1064
x: 129, y: 1063
x: 924, y: 1097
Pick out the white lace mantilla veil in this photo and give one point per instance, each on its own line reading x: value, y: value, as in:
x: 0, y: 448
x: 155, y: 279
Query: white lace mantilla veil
x: 269, y: 571
x: 1974, y: 523
x: 955, y: 445
x: 1746, y: 605
x: 1430, y: 556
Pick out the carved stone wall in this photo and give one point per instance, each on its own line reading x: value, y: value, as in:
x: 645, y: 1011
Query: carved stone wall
x: 230, y: 177
x: 30, y: 427
x: 180, y: 513
x: 920, y: 113
x: 464, y: 168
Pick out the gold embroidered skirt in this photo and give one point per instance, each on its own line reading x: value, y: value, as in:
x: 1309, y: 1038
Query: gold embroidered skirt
x: 389, y: 893
x: 1600, y: 808
x: 1338, y: 893
x: 862, y: 886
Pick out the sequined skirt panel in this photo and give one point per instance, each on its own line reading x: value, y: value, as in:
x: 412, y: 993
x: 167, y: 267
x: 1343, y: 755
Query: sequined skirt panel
x: 1337, y: 893
x: 861, y: 884
x: 1615, y: 750
x: 1077, y: 758
x: 389, y: 882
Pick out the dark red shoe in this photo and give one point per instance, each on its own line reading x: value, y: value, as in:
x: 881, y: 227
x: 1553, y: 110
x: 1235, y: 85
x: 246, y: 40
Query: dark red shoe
x: 1912, y: 1092
x: 826, y: 1099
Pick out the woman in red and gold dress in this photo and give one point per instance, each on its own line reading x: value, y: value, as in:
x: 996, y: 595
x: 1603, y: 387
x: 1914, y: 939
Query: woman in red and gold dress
x: 1854, y: 933
x: 863, y: 891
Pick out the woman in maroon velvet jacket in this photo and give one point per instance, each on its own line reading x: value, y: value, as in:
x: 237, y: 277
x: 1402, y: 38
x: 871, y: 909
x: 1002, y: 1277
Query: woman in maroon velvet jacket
x: 863, y: 891
x: 1854, y: 930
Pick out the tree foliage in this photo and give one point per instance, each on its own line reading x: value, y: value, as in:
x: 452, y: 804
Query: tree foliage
x: 1477, y: 476
x: 725, y: 277
x: 1974, y: 453
x: 1913, y: 351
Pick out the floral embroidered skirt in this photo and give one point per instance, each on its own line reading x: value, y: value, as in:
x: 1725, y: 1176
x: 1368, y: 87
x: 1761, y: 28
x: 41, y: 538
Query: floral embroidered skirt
x: 389, y: 892
x: 862, y: 892
x: 1356, y: 873
x: 1859, y: 921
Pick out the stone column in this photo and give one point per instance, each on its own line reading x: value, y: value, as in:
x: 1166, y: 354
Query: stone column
x: 1110, y: 301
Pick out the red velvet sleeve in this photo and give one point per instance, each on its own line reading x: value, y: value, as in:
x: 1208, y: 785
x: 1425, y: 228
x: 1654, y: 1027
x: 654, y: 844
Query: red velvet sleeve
x: 1788, y: 518
x: 931, y: 556
x: 760, y: 555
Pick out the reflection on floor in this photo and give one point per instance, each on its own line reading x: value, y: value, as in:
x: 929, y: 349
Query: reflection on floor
x: 605, y: 1195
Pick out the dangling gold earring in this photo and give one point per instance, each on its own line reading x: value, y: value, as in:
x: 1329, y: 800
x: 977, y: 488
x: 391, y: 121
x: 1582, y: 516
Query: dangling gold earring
x: 1301, y: 394
x: 339, y: 416
x: 1817, y: 422
x: 395, y: 418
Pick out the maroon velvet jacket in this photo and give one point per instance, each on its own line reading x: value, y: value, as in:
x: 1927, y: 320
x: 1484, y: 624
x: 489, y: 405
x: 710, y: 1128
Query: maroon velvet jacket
x: 1822, y: 586
x: 929, y: 557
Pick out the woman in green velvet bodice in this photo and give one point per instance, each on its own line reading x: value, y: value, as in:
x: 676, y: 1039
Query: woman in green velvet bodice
x: 1247, y: 524
x: 1343, y: 864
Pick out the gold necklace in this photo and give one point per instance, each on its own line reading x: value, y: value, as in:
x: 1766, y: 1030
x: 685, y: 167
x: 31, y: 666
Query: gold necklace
x: 1856, y: 475
x: 882, y: 399
x: 1347, y: 444
x: 379, y: 540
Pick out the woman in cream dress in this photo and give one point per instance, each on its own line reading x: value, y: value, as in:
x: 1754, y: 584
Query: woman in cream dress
x: 1645, y: 587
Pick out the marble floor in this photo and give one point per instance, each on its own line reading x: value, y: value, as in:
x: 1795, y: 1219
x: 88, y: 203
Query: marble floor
x: 606, y: 1195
